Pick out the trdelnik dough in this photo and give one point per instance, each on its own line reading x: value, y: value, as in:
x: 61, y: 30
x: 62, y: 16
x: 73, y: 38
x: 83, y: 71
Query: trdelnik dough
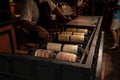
x: 77, y: 38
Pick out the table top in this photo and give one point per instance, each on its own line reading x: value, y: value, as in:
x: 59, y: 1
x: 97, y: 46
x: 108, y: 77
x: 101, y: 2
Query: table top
x: 89, y: 21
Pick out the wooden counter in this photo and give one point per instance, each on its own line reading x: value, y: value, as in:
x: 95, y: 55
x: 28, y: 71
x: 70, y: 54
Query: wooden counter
x: 86, y: 21
x: 7, y: 37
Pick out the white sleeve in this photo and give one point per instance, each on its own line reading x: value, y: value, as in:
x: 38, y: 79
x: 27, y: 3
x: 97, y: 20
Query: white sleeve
x: 26, y: 13
x: 52, y: 5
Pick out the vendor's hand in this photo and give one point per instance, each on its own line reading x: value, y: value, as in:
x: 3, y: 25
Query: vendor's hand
x: 43, y: 33
x: 67, y: 19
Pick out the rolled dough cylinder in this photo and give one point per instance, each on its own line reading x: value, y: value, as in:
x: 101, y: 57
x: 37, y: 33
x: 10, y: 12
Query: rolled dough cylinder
x: 66, y: 56
x: 64, y: 37
x: 83, y: 31
x: 70, y: 33
x: 43, y: 53
x: 78, y: 33
x: 77, y: 38
x: 70, y: 48
x: 54, y: 46
x: 71, y: 29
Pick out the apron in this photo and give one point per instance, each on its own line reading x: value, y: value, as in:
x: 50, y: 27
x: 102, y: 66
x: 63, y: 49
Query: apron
x: 44, y: 15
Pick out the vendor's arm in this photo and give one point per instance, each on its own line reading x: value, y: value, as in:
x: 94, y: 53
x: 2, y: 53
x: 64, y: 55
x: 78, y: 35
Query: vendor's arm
x: 57, y: 11
x: 42, y: 33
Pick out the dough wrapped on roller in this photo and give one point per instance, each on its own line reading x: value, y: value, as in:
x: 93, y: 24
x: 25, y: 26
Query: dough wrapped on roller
x: 77, y: 38
x: 64, y: 37
x: 54, y: 46
x: 43, y: 53
x: 78, y: 33
x: 83, y: 31
x: 66, y: 56
x: 70, y: 33
x: 70, y: 48
x: 71, y: 30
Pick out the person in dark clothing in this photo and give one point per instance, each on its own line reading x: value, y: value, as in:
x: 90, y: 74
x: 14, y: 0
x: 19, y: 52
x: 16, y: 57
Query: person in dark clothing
x: 98, y: 7
x: 112, y: 4
x: 87, y: 7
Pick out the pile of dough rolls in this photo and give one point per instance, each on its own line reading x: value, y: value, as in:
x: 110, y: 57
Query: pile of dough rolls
x: 77, y: 30
x: 57, y: 47
x: 66, y: 52
x: 73, y: 35
x: 60, y: 55
x: 76, y: 37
